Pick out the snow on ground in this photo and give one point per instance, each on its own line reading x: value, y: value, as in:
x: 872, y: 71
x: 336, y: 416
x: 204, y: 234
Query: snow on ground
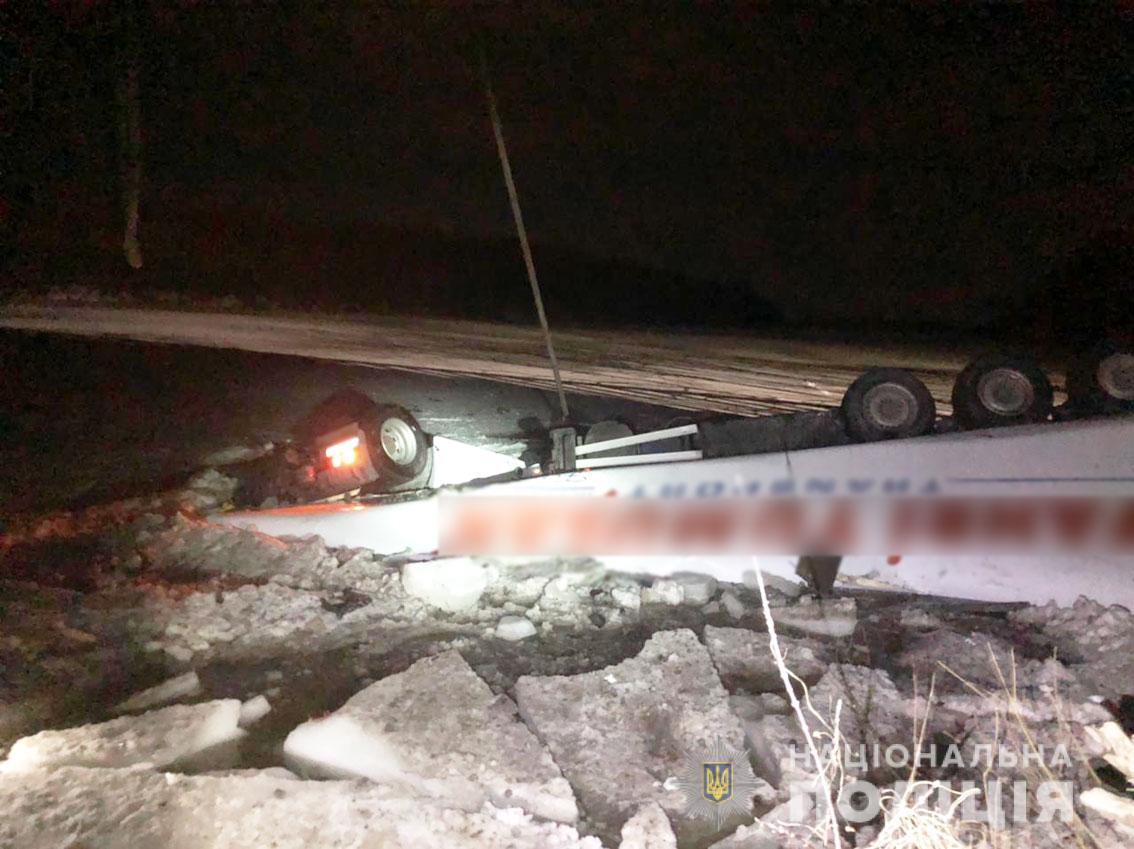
x: 148, y: 810
x: 615, y: 676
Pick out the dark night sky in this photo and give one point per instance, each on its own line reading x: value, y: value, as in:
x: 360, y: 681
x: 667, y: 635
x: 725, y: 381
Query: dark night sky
x: 934, y: 161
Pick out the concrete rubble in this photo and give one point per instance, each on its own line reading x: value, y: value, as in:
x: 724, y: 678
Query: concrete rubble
x: 438, y: 731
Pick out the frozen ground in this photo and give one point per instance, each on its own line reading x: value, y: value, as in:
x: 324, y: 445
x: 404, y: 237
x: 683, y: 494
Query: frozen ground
x: 519, y: 704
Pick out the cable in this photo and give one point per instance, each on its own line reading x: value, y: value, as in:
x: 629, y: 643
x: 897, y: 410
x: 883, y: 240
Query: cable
x: 514, y: 200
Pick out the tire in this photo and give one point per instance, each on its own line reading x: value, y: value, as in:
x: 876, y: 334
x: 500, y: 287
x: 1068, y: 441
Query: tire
x: 399, y: 447
x: 1102, y: 380
x: 887, y: 403
x: 999, y: 390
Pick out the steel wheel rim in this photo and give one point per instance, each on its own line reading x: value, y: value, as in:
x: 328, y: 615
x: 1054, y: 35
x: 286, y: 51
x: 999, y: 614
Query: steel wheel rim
x: 399, y: 442
x: 1006, y: 391
x: 1116, y: 376
x: 890, y: 405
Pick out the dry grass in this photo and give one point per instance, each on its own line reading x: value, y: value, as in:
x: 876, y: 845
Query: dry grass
x: 909, y: 820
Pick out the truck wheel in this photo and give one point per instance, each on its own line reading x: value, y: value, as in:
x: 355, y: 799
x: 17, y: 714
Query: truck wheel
x: 887, y: 403
x: 1001, y: 389
x: 397, y: 450
x: 400, y: 446
x: 1102, y: 380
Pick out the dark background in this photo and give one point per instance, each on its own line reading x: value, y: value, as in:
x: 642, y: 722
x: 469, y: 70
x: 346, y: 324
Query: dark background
x: 932, y: 165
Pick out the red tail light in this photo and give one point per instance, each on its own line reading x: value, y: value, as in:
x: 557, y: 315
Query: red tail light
x: 343, y: 454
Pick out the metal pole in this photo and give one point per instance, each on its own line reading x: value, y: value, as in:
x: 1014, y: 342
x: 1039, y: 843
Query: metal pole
x: 525, y: 248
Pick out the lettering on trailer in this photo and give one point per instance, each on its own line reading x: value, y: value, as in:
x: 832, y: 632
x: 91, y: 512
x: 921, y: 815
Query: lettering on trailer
x: 790, y: 487
x: 588, y: 526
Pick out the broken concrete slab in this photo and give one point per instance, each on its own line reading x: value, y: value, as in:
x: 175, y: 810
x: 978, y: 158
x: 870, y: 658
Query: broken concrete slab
x: 621, y: 734
x: 438, y: 731
x: 163, y: 738
x: 745, y: 662
x: 140, y: 809
x: 182, y: 687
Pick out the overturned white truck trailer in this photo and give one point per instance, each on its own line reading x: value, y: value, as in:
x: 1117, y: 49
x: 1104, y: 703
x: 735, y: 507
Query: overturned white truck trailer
x: 1011, y: 499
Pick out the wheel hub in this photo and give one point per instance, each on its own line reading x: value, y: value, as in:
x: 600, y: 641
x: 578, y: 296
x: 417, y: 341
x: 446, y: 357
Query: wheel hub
x: 1116, y: 376
x: 890, y: 405
x: 1006, y: 391
x: 399, y: 442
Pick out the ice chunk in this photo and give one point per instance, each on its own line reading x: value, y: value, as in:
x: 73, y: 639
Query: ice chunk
x: 181, y: 687
x: 141, y: 809
x: 733, y: 605
x: 773, y: 583
x: 627, y: 597
x: 453, y: 584
x: 619, y: 732
x: 253, y: 710
x: 755, y: 836
x: 744, y: 661
x: 437, y: 730
x: 648, y: 829
x: 663, y: 591
x: 514, y: 628
x: 873, y: 709
x: 837, y: 618
x: 697, y: 589
x: 162, y: 738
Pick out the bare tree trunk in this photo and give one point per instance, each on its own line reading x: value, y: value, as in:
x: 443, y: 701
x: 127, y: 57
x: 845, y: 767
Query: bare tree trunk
x: 130, y: 135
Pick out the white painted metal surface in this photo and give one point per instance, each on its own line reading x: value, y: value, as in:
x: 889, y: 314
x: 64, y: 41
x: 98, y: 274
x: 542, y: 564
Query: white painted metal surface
x: 1086, y: 458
